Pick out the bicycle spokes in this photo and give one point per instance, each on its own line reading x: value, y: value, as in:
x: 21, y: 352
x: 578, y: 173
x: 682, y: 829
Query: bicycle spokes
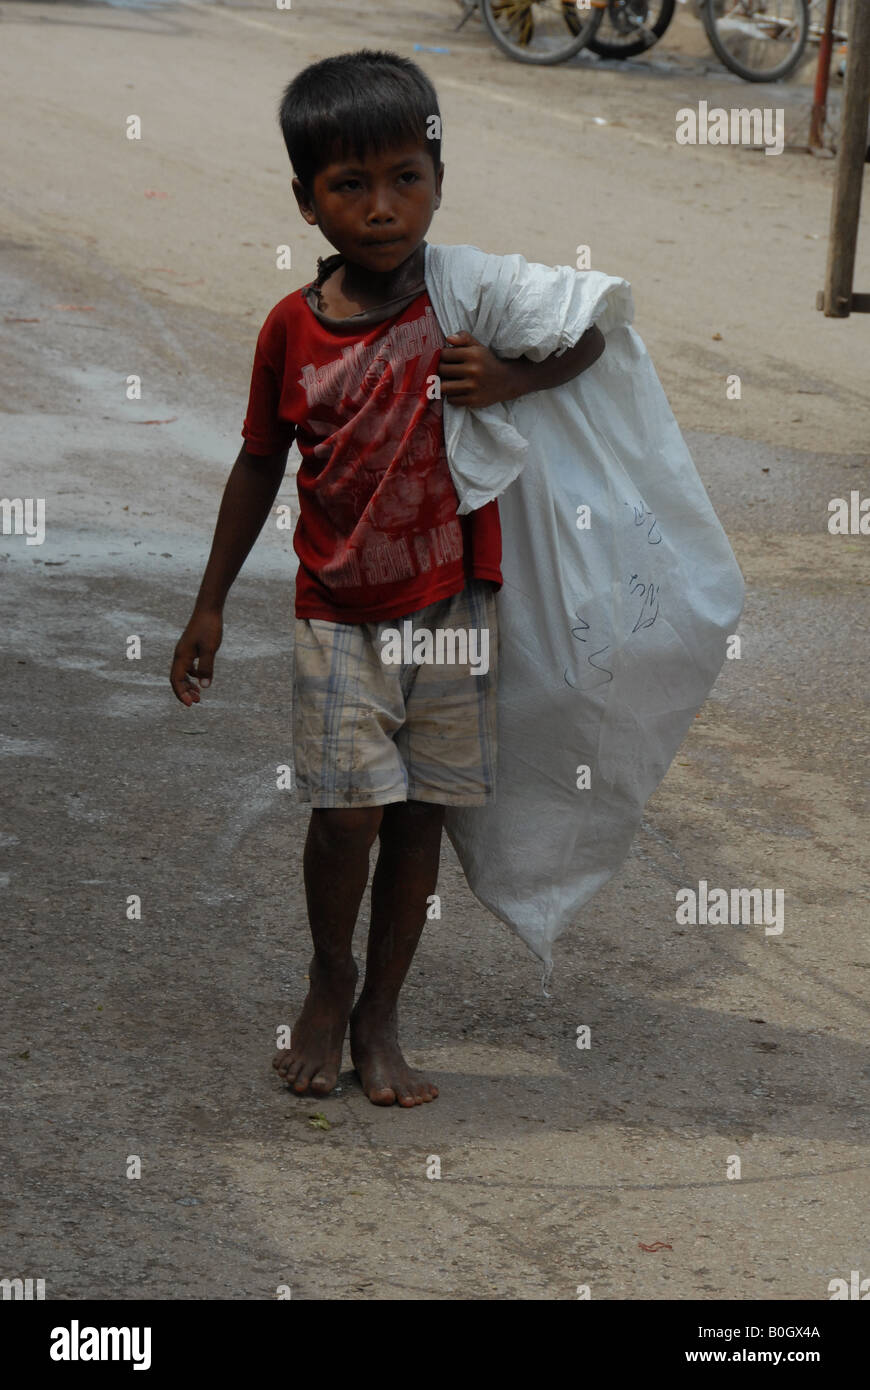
x: 542, y: 31
x: 761, y: 40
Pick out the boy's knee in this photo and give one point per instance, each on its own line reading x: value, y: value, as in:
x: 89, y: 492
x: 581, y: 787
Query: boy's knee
x: 414, y: 813
x: 412, y: 826
x: 347, y: 827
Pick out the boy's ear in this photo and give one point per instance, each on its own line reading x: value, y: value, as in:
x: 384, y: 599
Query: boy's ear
x: 438, y: 180
x: 306, y: 207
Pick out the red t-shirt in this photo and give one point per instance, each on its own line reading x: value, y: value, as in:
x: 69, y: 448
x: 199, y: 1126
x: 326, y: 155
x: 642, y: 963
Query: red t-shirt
x: 378, y: 535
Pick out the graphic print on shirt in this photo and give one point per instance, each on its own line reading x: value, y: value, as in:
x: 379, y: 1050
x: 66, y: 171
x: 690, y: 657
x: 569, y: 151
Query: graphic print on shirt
x: 378, y: 534
x: 383, y: 484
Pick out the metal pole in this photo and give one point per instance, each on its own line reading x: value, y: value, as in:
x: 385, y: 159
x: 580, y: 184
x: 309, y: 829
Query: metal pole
x: 837, y: 299
x: 820, y: 96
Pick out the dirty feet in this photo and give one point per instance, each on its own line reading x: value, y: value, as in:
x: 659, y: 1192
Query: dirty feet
x: 385, y: 1075
x: 313, y: 1059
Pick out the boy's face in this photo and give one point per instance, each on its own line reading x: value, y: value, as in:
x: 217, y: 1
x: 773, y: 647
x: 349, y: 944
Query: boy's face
x: 376, y: 210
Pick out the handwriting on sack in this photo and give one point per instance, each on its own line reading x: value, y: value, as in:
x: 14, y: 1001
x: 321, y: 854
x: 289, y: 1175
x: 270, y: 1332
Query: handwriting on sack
x: 644, y: 517
x: 592, y: 657
x: 648, y: 594
x: 649, y: 597
x: 641, y: 588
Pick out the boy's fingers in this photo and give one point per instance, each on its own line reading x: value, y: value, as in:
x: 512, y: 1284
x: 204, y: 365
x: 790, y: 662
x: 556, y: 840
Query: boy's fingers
x: 182, y: 686
x: 185, y: 691
x: 205, y: 667
x: 187, y: 669
x: 457, y: 354
x: 460, y: 339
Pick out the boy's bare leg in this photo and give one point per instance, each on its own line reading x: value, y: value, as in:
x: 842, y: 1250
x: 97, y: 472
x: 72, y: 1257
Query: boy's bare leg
x: 336, y: 864
x: 405, y: 876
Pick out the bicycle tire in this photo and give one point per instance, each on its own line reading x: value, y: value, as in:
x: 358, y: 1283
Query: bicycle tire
x: 578, y: 38
x: 774, y: 74
x: 607, y: 49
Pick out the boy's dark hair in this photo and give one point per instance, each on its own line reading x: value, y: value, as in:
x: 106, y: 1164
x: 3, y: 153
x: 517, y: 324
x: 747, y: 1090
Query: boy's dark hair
x: 355, y: 103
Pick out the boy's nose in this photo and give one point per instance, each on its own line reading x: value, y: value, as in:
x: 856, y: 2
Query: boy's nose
x: 380, y: 209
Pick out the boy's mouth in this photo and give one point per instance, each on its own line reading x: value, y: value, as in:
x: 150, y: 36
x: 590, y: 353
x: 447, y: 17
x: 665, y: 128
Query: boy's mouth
x: 386, y: 241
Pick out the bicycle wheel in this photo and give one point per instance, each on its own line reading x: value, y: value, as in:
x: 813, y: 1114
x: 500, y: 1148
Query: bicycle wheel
x: 760, y: 40
x: 541, y: 31
x: 630, y: 27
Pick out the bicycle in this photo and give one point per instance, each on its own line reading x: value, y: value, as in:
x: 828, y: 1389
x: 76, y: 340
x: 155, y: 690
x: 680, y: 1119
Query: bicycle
x: 759, y: 40
x: 630, y: 29
x: 541, y: 32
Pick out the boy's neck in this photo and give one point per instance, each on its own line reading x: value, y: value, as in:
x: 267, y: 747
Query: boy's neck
x: 351, y: 289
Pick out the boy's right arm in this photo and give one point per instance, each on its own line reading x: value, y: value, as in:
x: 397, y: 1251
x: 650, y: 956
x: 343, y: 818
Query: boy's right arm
x: 248, y: 497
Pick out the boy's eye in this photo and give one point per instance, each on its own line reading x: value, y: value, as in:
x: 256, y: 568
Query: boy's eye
x: 352, y: 184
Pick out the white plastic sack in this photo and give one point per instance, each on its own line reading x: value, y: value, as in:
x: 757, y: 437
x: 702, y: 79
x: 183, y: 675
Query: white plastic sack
x: 610, y: 637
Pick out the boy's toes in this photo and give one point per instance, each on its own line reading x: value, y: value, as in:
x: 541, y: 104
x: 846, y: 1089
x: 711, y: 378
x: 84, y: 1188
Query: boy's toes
x: 323, y: 1081
x: 423, y: 1091
x: 300, y: 1081
x: 380, y: 1093
x: 283, y: 1062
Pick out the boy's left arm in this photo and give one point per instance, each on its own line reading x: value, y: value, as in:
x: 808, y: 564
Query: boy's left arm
x: 473, y: 376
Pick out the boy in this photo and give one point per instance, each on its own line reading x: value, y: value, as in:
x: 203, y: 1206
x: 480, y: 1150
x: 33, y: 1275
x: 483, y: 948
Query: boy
x: 353, y: 366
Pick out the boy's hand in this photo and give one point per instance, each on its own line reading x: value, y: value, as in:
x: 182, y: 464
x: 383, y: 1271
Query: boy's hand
x: 194, y: 655
x: 473, y: 376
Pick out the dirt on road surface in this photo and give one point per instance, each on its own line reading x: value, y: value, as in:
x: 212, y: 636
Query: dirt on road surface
x: 151, y: 1036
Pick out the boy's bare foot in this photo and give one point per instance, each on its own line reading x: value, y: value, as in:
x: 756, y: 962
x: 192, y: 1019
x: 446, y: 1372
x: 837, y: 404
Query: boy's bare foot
x: 385, y: 1075
x: 313, y: 1059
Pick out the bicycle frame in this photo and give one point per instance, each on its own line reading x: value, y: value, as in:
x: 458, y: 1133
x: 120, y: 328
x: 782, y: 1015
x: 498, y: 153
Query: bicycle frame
x: 469, y: 6
x: 755, y: 26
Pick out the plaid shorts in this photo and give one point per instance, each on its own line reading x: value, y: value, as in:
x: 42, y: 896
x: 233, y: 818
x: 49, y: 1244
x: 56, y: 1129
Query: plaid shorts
x: 384, y: 712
